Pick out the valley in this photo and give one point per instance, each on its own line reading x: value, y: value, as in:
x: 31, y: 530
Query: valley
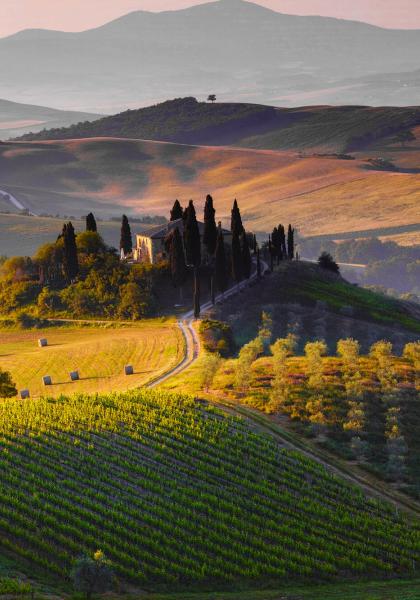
x: 209, y: 305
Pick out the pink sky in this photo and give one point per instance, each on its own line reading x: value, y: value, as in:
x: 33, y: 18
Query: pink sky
x: 76, y: 15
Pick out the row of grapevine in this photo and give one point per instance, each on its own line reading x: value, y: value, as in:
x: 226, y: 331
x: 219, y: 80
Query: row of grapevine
x: 175, y: 492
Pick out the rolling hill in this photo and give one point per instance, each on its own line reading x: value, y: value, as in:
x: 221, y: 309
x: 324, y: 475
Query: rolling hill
x: 319, y: 195
x: 233, y: 48
x: 177, y: 493
x: 18, y: 119
x: 187, y: 121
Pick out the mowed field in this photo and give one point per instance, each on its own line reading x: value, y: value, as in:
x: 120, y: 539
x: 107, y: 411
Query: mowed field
x: 22, y: 235
x: 99, y: 353
x: 109, y: 176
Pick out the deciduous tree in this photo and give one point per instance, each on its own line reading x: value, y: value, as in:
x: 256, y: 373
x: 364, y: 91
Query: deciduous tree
x: 92, y: 575
x: 7, y: 386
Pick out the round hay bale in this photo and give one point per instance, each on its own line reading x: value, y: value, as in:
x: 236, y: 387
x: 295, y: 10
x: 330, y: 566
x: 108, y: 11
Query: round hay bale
x: 74, y: 376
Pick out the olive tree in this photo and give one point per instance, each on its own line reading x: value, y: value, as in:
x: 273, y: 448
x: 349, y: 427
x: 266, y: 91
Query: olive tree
x: 92, y: 574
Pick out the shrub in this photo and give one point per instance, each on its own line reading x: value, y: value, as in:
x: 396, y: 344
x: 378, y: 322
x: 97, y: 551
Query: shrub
x: 92, y: 575
x: 7, y: 387
x: 217, y: 337
x: 327, y: 262
x: 13, y: 587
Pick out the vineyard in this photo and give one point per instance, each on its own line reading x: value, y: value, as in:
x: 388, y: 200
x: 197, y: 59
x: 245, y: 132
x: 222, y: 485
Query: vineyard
x: 175, y: 492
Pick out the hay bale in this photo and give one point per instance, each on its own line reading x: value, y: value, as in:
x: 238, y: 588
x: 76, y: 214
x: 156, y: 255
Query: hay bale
x: 46, y: 380
x: 42, y: 342
x: 128, y: 370
x: 74, y: 376
x: 24, y: 394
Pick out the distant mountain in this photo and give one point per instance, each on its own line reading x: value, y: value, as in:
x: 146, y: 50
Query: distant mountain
x: 18, y: 119
x: 233, y: 48
x: 187, y: 121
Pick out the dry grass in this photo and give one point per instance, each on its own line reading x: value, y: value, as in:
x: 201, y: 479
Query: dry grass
x: 319, y: 195
x: 98, y: 352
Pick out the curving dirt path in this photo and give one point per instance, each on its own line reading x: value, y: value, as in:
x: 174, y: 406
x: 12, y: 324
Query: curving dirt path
x: 192, y: 340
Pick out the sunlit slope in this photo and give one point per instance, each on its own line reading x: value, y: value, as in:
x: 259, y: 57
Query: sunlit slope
x: 175, y: 492
x: 318, y: 194
x: 98, y: 353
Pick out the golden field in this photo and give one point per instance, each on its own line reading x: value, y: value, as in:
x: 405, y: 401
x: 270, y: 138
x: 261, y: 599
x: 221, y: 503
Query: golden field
x: 98, y: 352
x: 319, y: 195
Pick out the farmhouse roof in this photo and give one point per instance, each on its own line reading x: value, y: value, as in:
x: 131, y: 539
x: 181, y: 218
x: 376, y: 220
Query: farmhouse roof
x: 161, y: 231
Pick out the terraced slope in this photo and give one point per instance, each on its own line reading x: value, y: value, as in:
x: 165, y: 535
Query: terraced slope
x: 176, y: 492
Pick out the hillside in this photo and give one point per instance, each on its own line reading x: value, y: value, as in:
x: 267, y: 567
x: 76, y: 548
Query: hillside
x: 317, y: 194
x: 317, y: 305
x: 187, y: 121
x: 253, y: 53
x: 18, y: 119
x: 175, y: 492
x: 99, y: 352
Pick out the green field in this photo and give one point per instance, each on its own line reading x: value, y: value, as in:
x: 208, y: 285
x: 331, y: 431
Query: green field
x: 176, y: 493
x: 21, y: 235
x: 99, y: 353
x: 385, y: 590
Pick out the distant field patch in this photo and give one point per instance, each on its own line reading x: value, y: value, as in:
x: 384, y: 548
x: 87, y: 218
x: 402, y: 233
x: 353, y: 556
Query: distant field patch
x: 19, y: 124
x: 97, y: 352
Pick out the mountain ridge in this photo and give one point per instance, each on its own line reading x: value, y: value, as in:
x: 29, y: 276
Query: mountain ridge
x: 237, y: 50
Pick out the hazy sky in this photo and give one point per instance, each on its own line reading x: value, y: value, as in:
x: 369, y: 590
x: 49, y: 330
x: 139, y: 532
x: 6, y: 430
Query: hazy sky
x: 75, y: 15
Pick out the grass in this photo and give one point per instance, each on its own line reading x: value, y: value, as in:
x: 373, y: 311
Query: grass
x: 381, y: 590
x: 109, y: 176
x: 304, y: 299
x: 373, y: 306
x: 99, y: 353
x: 21, y: 235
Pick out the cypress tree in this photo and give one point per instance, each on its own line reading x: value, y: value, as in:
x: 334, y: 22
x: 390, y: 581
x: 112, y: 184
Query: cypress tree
x: 126, y: 241
x: 220, y: 262
x: 192, y: 237
x: 210, y: 239
x: 236, y: 257
x: 290, y: 243
x: 254, y: 244
x: 70, y: 261
x: 270, y: 252
x: 236, y: 225
x: 282, y: 240
x: 177, y: 261
x: 91, y: 223
x: 210, y: 229
x: 192, y: 245
x: 258, y: 264
x: 177, y: 211
x: 246, y: 257
x: 275, y: 237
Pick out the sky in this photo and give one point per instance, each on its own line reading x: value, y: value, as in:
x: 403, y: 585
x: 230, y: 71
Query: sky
x: 77, y: 15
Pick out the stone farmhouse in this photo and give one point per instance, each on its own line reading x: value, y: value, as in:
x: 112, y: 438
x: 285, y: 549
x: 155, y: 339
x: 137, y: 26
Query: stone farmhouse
x: 150, y: 245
